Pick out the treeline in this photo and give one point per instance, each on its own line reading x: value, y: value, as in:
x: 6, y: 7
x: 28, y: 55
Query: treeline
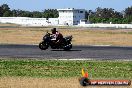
x: 107, y: 15
x: 6, y: 12
x: 101, y: 15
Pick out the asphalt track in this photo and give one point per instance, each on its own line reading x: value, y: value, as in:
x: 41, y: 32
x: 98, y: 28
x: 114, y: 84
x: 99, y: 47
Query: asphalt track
x: 77, y: 52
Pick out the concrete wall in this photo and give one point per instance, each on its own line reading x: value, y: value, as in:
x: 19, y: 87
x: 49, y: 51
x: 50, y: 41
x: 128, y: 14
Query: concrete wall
x: 53, y: 21
x: 26, y: 21
x: 106, y: 25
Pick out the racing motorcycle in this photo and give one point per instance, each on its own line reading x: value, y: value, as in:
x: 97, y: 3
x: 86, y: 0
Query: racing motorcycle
x: 48, y: 42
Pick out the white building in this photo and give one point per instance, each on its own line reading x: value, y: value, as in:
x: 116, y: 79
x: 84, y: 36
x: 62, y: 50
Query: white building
x: 70, y: 16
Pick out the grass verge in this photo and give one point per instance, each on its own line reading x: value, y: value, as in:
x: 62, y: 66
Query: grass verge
x: 65, y: 69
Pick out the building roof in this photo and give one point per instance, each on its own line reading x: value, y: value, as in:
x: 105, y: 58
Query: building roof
x: 69, y: 9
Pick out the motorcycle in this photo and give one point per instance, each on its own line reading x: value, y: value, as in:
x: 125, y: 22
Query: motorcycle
x: 47, y: 41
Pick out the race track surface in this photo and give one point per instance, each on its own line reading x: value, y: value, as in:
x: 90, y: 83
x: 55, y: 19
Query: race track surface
x: 77, y: 52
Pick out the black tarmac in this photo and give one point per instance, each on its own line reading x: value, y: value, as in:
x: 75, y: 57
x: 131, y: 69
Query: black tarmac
x: 77, y: 52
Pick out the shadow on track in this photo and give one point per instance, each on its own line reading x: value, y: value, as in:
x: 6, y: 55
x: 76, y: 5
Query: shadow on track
x: 64, y: 50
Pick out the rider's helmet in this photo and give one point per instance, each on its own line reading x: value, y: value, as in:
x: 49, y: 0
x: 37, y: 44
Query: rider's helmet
x: 53, y: 30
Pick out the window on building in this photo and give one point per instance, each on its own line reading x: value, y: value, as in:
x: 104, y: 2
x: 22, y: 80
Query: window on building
x: 76, y: 11
x: 81, y: 11
x: 74, y: 21
x: 83, y: 20
x: 74, y: 16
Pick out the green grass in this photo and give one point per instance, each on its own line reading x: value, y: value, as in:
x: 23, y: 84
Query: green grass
x: 62, y: 69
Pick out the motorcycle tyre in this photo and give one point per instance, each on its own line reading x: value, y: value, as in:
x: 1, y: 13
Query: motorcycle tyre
x: 43, y: 46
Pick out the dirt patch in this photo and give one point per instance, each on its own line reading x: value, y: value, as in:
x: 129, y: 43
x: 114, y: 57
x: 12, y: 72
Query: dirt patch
x: 80, y: 36
x: 8, y: 24
x: 14, y: 82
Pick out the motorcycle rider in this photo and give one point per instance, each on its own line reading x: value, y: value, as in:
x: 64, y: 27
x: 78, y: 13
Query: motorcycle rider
x: 57, y: 37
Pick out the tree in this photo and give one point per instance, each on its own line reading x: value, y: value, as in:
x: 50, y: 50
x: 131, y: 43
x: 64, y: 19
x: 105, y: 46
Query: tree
x: 21, y: 13
x: 5, y: 7
x: 128, y: 11
x: 7, y: 14
x: 5, y: 10
x: 37, y: 14
x: 128, y: 14
x: 106, y: 15
x: 14, y: 13
x: 50, y: 13
x: 1, y: 13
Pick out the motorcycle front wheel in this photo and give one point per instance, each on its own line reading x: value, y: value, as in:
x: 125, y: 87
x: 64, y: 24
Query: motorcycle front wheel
x: 43, y: 46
